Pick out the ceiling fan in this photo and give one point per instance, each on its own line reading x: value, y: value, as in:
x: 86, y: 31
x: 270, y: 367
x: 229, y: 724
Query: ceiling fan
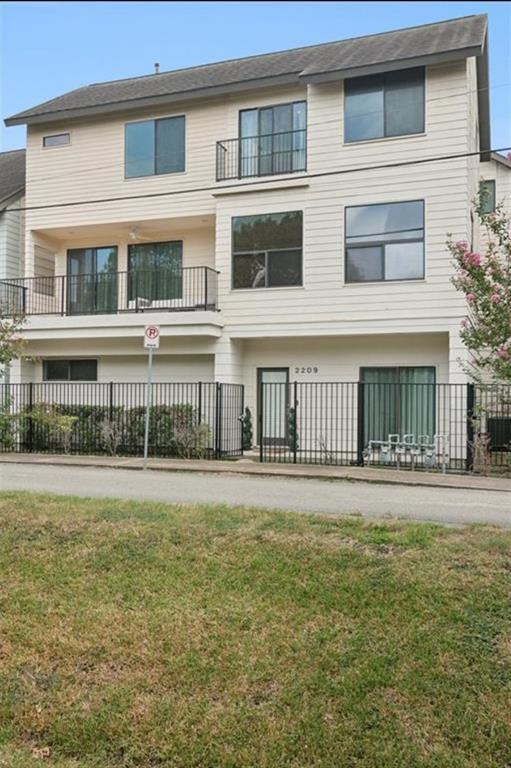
x: 134, y: 235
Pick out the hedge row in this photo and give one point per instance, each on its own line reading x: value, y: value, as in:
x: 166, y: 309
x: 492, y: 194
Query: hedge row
x: 174, y: 430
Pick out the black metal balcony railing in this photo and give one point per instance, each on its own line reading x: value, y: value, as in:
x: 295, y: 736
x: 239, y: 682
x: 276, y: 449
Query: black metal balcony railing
x: 153, y: 290
x: 264, y: 155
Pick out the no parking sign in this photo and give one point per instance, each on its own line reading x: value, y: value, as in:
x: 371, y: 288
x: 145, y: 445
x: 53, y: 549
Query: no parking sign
x: 151, y: 342
x: 152, y: 337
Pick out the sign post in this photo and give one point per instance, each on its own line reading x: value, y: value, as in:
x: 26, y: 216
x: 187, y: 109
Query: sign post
x: 151, y: 342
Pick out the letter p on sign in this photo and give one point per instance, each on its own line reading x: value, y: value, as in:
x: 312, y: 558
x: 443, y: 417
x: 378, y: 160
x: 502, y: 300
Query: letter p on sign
x: 152, y: 336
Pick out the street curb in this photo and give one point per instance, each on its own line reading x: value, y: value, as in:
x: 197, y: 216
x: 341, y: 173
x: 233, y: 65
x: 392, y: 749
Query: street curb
x: 246, y: 471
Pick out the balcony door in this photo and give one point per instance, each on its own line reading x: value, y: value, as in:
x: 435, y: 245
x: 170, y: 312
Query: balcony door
x: 155, y: 272
x: 91, y: 281
x: 273, y: 139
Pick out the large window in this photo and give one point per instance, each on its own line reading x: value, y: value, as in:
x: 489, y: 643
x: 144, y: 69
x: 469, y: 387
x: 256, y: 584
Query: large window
x: 385, y: 242
x: 155, y: 146
x: 390, y: 104
x: 267, y: 250
x: 70, y: 370
x: 273, y: 139
x: 155, y: 271
x: 398, y: 401
x: 487, y: 192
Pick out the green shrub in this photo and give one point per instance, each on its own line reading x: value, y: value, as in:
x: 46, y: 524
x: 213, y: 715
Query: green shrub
x: 292, y: 429
x: 7, y: 426
x: 248, y: 435
x: 57, y: 424
x: 174, y: 430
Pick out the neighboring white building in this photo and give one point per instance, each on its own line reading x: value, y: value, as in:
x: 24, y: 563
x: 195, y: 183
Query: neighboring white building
x: 289, y: 205
x: 12, y: 222
x: 496, y: 174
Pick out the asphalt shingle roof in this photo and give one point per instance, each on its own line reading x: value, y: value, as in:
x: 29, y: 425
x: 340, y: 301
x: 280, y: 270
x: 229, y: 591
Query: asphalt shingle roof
x: 299, y: 64
x: 12, y: 173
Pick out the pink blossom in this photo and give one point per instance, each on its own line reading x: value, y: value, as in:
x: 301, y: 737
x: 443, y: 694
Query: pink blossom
x: 462, y: 245
x: 464, y: 322
x: 495, y: 298
x: 472, y: 259
x: 503, y: 353
x: 470, y: 297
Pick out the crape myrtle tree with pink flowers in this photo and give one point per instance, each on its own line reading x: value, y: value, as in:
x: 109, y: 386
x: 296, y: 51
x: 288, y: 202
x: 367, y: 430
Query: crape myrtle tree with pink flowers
x: 485, y: 279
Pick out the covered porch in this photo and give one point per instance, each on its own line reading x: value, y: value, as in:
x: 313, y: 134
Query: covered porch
x: 145, y: 266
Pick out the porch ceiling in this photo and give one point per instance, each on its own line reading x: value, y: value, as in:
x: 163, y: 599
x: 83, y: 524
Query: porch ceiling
x: 152, y: 229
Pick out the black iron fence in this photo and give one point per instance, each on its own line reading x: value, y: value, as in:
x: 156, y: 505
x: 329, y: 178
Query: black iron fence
x: 454, y: 427
x: 262, y: 155
x: 197, y: 420
x: 446, y: 427
x: 139, y: 290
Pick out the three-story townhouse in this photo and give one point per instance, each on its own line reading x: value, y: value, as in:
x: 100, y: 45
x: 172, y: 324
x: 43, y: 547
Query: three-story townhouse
x: 281, y: 217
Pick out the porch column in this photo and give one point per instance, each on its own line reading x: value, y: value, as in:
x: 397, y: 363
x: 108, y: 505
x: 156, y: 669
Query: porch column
x: 229, y: 361
x: 21, y: 372
x: 458, y: 358
x: 458, y: 379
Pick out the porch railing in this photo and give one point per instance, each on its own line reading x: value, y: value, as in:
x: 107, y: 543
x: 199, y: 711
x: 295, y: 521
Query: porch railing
x: 153, y: 290
x: 262, y: 155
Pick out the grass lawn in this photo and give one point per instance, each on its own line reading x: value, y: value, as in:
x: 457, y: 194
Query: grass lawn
x: 159, y: 635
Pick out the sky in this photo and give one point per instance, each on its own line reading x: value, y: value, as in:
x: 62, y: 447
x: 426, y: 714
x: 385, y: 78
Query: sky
x: 48, y: 48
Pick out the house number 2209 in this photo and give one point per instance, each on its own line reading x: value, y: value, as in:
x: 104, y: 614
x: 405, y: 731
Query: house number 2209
x: 306, y: 369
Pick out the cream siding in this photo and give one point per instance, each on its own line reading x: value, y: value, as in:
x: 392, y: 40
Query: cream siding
x: 340, y: 358
x: 91, y: 168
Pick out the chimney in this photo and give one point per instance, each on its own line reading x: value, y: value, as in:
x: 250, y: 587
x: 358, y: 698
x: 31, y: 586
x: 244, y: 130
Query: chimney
x: 156, y: 68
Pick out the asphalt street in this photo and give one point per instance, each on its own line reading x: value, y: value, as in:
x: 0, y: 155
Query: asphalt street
x: 445, y: 505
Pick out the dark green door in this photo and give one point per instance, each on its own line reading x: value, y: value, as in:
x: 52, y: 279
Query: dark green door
x: 398, y: 401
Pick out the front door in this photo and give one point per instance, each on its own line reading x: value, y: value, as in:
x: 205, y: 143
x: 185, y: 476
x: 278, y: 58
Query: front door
x: 273, y: 402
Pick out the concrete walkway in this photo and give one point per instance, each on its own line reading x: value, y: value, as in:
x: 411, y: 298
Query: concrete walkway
x: 451, y: 505
x: 247, y: 466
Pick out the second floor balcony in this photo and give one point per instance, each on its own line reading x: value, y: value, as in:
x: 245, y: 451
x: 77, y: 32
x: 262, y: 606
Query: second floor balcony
x: 262, y: 155
x: 167, y: 290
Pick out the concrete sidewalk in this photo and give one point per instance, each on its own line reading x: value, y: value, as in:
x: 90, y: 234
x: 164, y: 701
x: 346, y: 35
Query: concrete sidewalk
x: 245, y: 466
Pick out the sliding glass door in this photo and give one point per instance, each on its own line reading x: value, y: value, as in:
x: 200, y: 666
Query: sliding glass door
x: 91, y: 280
x: 155, y: 271
x: 398, y: 401
x: 273, y: 139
